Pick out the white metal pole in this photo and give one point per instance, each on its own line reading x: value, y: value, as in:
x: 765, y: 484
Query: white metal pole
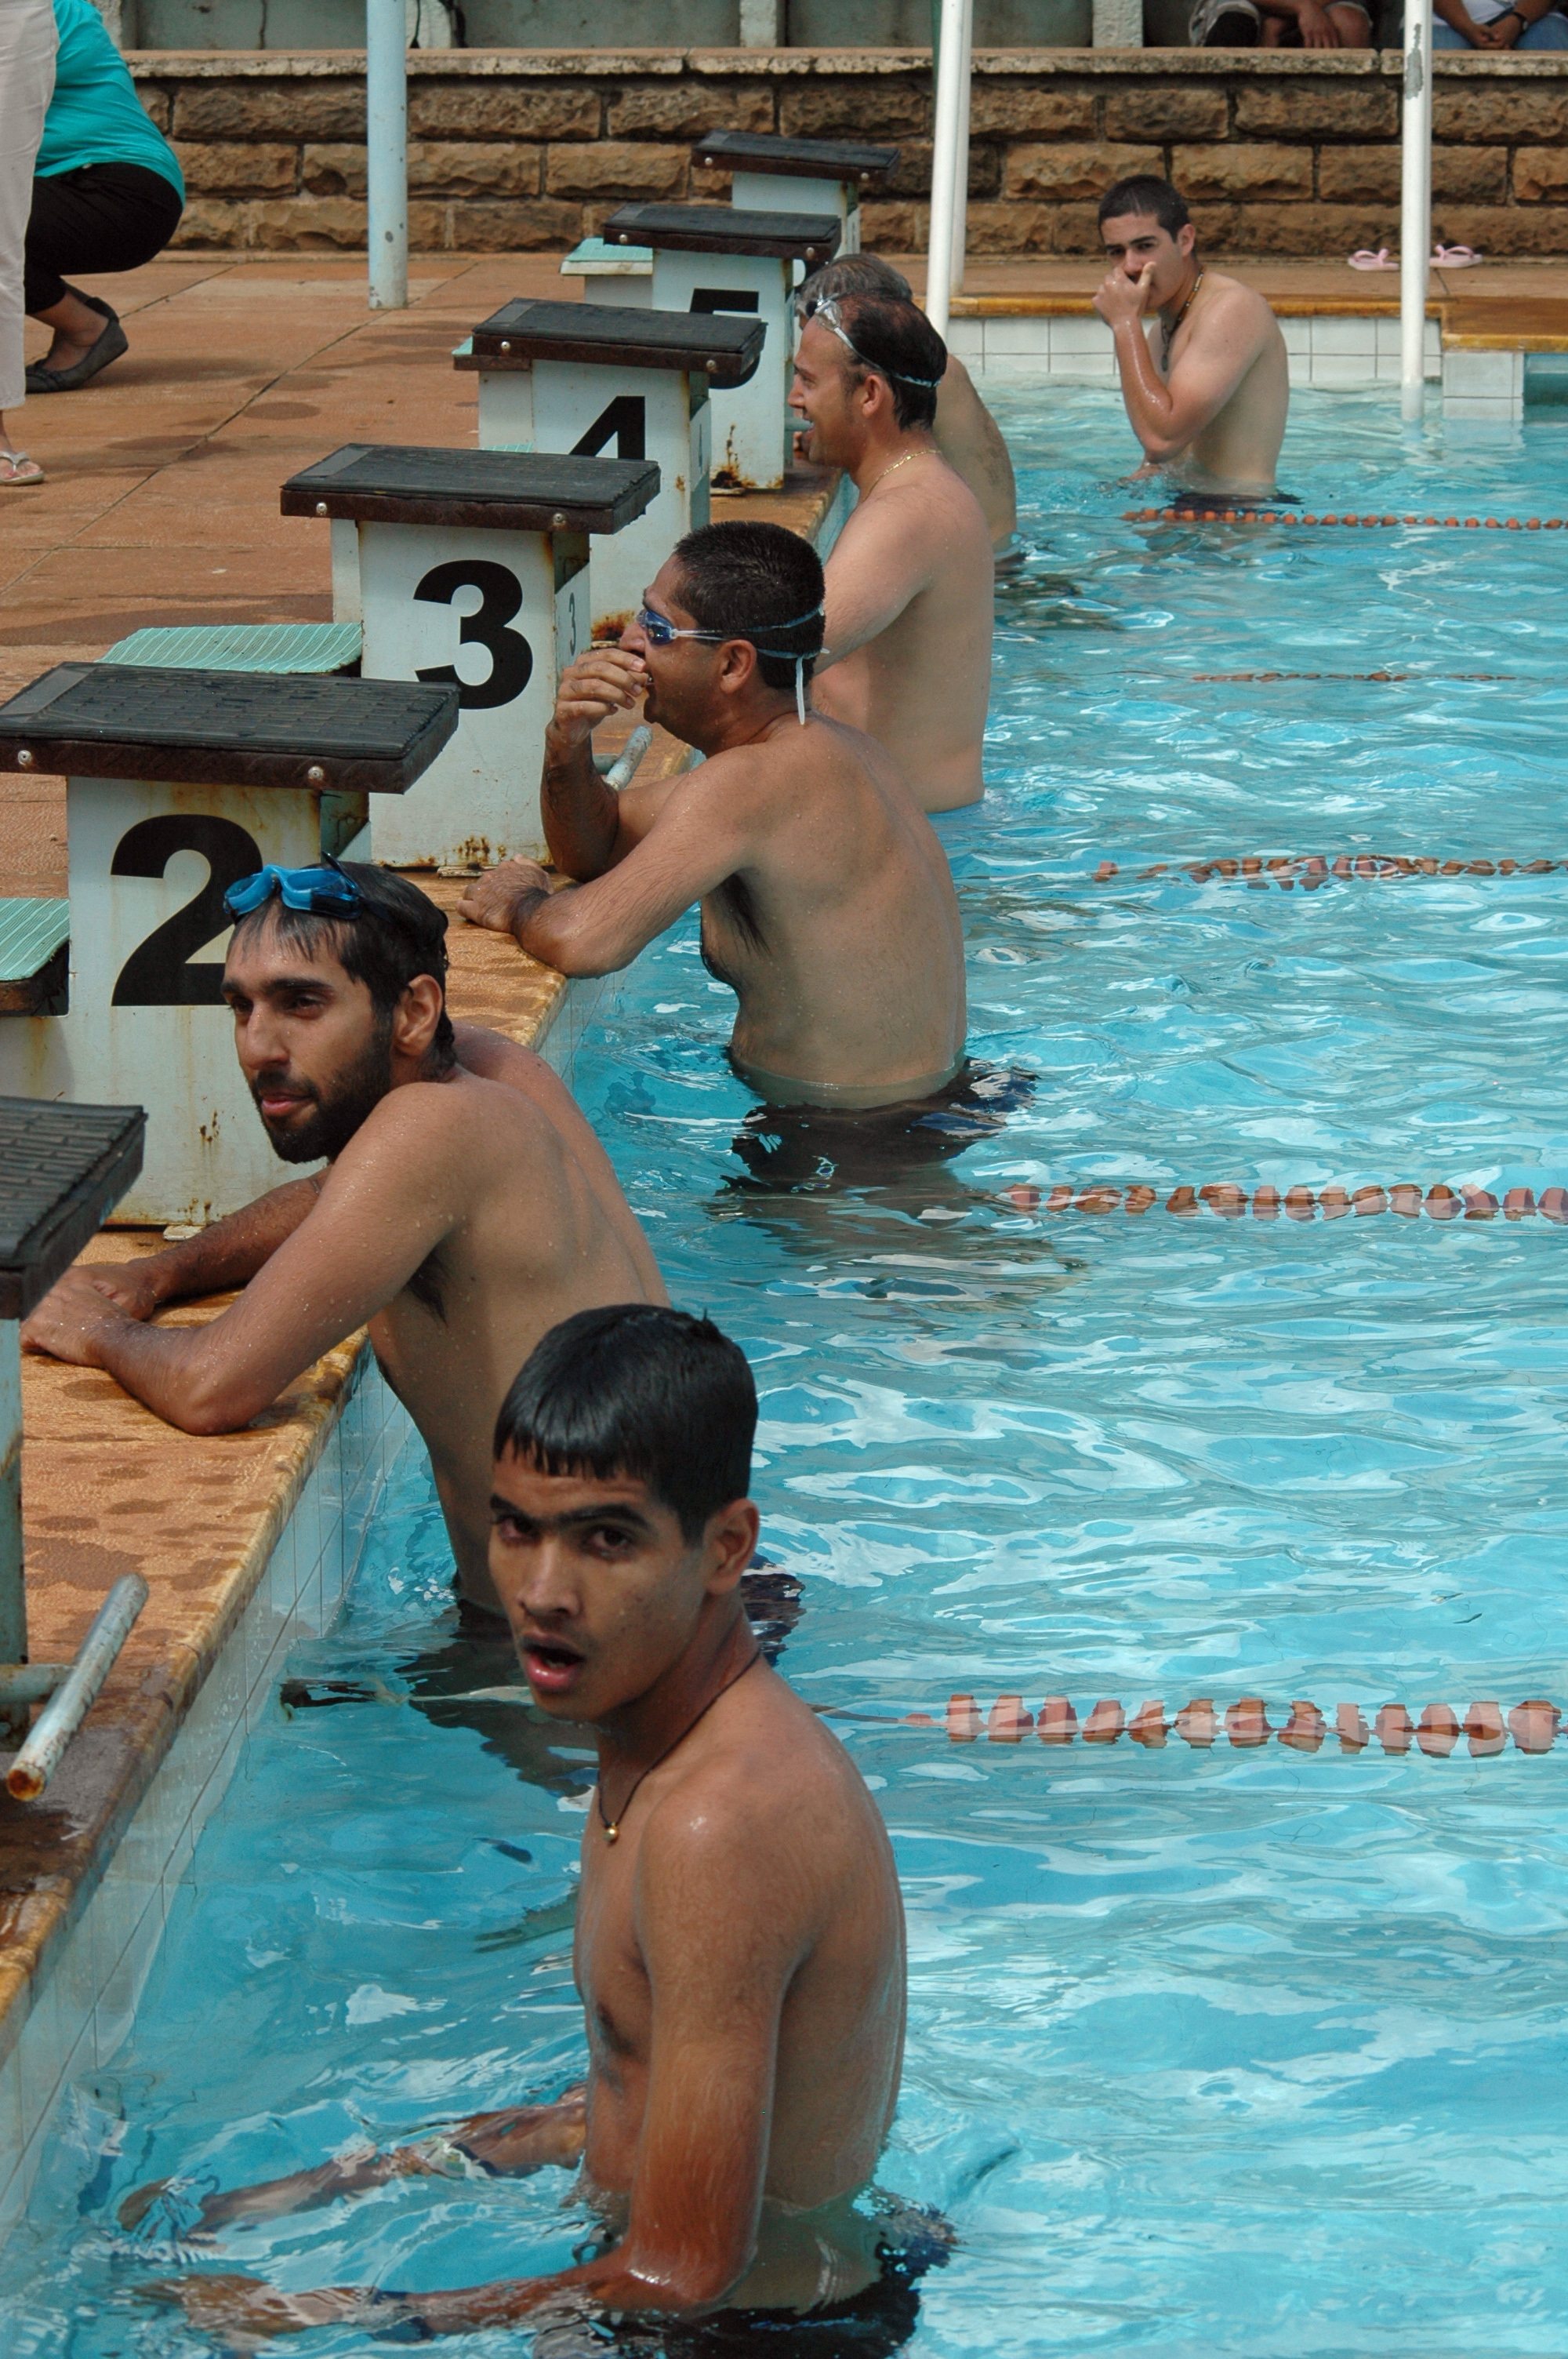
x: 961, y: 166
x: 945, y: 165
x: 1416, y: 208
x: 387, y: 135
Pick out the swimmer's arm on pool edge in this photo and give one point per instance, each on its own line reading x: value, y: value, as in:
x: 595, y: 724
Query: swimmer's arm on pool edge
x: 587, y: 826
x: 707, y: 828
x: 718, y: 1986
x: 1167, y: 414
x: 396, y: 1190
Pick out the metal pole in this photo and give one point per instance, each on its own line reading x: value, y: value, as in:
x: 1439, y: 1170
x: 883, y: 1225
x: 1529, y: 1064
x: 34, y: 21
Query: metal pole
x: 60, y: 1718
x: 1415, y: 209
x: 961, y: 168
x: 14, y: 1713
x: 386, y: 136
x: 951, y: 107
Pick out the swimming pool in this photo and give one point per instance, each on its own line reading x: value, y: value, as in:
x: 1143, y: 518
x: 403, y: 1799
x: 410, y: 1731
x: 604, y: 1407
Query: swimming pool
x: 1237, y: 2049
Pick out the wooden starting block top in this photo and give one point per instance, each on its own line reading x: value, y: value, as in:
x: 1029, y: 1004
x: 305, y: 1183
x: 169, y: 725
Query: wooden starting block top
x: 61, y: 1167
x: 724, y: 346
x: 503, y: 490
x: 725, y: 229
x: 801, y: 159
x: 227, y: 728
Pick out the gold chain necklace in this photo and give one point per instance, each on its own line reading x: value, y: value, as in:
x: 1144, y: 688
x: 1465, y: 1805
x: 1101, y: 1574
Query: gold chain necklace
x: 1170, y: 333
x: 613, y: 1826
x: 894, y: 467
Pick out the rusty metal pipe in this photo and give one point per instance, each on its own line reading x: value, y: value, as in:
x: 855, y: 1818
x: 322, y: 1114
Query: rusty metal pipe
x: 31, y: 1683
x: 40, y: 1757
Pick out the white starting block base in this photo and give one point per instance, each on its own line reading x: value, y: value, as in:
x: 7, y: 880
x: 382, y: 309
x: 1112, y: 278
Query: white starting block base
x: 749, y: 448
x: 775, y: 192
x: 140, y: 938
x: 659, y: 414
x: 502, y: 614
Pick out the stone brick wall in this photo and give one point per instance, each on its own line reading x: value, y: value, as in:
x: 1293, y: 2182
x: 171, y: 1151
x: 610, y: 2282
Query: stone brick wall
x: 513, y: 150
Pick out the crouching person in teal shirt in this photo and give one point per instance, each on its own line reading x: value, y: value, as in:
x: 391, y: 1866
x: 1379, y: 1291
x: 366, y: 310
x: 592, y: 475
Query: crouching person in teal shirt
x: 107, y: 195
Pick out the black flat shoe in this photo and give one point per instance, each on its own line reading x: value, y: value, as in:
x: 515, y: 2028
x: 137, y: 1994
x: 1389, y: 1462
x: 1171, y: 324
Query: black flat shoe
x: 109, y: 347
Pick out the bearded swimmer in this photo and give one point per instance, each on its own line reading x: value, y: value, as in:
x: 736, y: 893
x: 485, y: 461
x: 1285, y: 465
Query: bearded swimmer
x: 466, y: 1207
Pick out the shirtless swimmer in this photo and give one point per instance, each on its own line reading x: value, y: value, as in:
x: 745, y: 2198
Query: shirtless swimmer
x: 827, y: 904
x: 466, y: 1207
x: 1210, y: 410
x: 964, y: 429
x: 911, y: 576
x: 740, y: 1936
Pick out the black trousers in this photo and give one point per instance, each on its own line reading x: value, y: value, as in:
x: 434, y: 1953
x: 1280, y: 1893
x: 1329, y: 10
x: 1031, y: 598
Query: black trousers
x: 100, y: 217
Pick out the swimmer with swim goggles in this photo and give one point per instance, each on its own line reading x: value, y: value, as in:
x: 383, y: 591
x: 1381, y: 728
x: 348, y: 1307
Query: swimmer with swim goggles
x: 660, y: 632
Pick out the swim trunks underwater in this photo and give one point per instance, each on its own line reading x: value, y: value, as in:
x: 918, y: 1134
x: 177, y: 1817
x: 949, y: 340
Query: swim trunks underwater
x: 1188, y: 503
x: 873, y: 2324
x: 812, y: 1147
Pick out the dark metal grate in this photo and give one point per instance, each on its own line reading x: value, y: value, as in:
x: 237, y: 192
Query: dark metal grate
x: 813, y: 159
x: 61, y: 1168
x: 725, y: 229
x: 579, y: 489
x: 136, y: 704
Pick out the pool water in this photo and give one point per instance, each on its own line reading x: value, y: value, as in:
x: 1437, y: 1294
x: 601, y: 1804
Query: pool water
x: 1229, y: 2051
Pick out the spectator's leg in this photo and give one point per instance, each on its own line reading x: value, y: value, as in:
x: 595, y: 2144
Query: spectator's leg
x: 1550, y: 32
x: 103, y: 217
x: 1352, y: 23
x: 27, y: 42
x: 1444, y: 37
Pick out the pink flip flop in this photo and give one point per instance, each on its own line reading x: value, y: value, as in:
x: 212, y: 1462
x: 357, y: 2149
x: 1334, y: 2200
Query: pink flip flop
x: 1457, y: 257
x: 1365, y: 259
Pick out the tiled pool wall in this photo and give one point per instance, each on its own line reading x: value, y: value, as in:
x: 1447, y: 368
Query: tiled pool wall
x: 83, y: 2006
x: 1326, y: 352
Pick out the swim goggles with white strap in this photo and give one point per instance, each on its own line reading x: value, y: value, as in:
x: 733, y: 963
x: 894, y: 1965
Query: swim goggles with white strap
x: 659, y: 631
x: 826, y: 309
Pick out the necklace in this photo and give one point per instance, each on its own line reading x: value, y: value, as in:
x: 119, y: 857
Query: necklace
x: 1169, y: 334
x: 892, y: 468
x: 613, y: 1826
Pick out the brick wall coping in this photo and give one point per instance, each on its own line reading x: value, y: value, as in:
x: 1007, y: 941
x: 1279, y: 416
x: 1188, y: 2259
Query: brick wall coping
x: 599, y: 65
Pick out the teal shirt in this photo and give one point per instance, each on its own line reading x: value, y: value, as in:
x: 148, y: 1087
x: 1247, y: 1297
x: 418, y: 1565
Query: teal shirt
x: 95, y: 116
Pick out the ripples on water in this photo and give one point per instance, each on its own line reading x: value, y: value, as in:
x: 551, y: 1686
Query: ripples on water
x: 1239, y: 2052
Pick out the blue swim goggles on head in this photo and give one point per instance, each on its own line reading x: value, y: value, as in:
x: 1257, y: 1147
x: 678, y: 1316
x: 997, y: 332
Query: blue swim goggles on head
x: 325, y: 892
x: 660, y: 632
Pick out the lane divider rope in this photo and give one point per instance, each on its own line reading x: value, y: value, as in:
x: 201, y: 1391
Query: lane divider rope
x: 1312, y: 870
x: 1218, y: 514
x: 1229, y: 1202
x: 1533, y: 1725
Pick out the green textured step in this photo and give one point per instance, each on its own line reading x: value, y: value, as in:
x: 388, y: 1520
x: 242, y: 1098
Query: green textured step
x: 243, y: 646
x: 596, y: 259
x: 31, y: 933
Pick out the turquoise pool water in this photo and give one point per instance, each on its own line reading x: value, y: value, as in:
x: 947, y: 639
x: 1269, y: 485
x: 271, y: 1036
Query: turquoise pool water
x: 1237, y: 2051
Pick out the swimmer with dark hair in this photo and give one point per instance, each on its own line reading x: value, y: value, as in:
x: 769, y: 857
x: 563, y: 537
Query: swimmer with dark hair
x: 465, y: 1207
x: 963, y: 429
x: 827, y: 904
x: 1207, y: 394
x: 911, y: 576
x: 740, y: 1936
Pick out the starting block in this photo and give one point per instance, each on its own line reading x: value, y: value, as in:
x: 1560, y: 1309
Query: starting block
x: 824, y: 175
x: 179, y: 783
x: 577, y: 377
x: 480, y: 550
x: 728, y: 258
